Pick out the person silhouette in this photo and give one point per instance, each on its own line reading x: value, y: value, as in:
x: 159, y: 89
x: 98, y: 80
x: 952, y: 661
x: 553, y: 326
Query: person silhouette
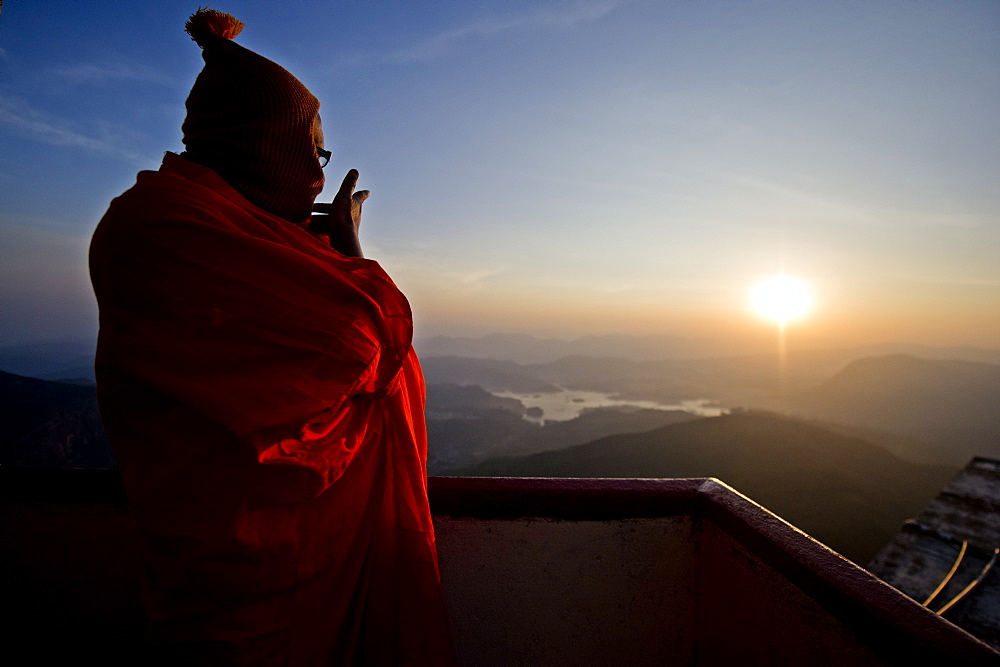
x: 259, y: 387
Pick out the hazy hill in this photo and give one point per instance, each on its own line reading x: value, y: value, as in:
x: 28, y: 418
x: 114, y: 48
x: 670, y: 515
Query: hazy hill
x: 750, y: 381
x: 456, y: 442
x: 491, y: 374
x: 925, y: 410
x: 954, y: 405
x: 51, y: 360
x: 906, y: 448
x: 734, y: 380
x: 528, y: 349
x: 467, y: 424
x: 596, y: 423
x: 74, y: 358
x: 667, y: 381
x: 844, y: 491
x: 51, y: 424
x: 447, y: 400
x: 525, y: 348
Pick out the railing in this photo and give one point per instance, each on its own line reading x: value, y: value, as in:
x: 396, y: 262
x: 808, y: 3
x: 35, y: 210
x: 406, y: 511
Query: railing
x: 536, y: 571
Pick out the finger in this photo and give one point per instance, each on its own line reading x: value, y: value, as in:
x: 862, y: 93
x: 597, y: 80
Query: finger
x: 350, y: 182
x: 322, y: 208
x: 360, y: 197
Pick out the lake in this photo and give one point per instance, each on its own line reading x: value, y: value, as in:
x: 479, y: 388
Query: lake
x: 567, y: 404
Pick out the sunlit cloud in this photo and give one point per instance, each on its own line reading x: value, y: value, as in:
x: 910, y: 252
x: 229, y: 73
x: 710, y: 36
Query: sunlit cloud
x: 422, y: 271
x: 950, y: 221
x: 19, y: 117
x: 841, y: 207
x: 617, y: 290
x: 971, y: 281
x: 563, y: 16
x: 91, y: 73
x: 818, y: 204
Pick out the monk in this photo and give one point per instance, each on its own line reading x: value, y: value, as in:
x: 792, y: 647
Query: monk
x: 258, y: 384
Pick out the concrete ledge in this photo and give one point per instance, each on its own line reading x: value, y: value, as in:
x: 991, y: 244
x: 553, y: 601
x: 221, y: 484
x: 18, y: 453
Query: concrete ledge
x: 895, y: 628
x: 67, y: 534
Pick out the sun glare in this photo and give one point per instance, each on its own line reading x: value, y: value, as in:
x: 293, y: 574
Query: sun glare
x: 781, y: 298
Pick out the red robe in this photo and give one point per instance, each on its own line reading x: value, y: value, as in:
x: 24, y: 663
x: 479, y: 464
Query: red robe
x: 266, y: 409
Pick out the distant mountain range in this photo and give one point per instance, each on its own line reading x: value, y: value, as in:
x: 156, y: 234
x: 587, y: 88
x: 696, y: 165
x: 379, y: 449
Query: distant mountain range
x: 491, y: 374
x: 466, y: 424
x: 828, y: 470
x: 73, y: 359
x: 51, y: 424
x: 528, y: 349
x: 844, y: 491
x: 924, y: 410
x: 922, y: 405
x: 667, y: 381
x: 953, y: 404
x: 51, y: 360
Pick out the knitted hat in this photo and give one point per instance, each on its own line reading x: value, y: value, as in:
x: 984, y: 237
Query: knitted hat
x: 251, y: 121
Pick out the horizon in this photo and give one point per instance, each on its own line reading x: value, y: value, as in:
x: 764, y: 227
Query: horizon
x: 577, y: 168
x: 523, y: 347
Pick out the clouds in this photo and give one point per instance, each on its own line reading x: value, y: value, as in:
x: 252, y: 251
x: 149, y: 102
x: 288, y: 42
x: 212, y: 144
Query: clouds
x: 623, y: 160
x: 562, y: 16
x: 91, y: 104
x: 19, y: 117
x: 441, y: 275
x: 100, y: 73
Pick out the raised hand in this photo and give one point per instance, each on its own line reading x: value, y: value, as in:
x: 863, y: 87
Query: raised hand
x: 341, y: 219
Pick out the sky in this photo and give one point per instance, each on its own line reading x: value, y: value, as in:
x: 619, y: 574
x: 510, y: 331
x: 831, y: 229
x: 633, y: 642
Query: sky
x: 560, y: 168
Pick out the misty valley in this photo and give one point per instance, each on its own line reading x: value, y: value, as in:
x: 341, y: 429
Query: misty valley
x: 569, y: 404
x: 846, y: 445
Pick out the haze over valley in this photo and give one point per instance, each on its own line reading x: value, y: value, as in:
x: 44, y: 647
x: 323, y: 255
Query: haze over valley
x: 845, y: 444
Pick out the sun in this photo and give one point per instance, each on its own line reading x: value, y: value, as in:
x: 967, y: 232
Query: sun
x: 781, y: 298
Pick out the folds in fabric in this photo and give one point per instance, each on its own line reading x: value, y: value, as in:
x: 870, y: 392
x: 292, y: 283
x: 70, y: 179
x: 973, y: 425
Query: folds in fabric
x: 266, y: 409
x: 247, y: 319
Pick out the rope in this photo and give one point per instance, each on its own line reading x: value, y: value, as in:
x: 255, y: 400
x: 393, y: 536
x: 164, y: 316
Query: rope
x: 975, y: 582
x: 951, y: 573
x: 924, y: 528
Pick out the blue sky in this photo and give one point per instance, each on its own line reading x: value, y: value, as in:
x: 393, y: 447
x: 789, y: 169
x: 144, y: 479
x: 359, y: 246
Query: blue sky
x: 560, y: 167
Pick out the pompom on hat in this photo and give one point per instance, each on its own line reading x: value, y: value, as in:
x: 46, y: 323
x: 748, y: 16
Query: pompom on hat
x: 251, y: 121
x: 208, y: 24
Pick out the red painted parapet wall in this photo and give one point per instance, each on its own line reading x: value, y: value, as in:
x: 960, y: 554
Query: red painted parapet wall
x: 537, y: 571
x: 759, y: 591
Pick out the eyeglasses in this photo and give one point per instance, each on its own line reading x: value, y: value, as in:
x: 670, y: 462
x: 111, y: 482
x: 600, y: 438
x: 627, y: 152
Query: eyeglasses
x: 324, y: 156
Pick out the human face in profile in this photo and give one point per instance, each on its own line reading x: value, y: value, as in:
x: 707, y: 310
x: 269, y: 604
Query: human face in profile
x: 322, y: 155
